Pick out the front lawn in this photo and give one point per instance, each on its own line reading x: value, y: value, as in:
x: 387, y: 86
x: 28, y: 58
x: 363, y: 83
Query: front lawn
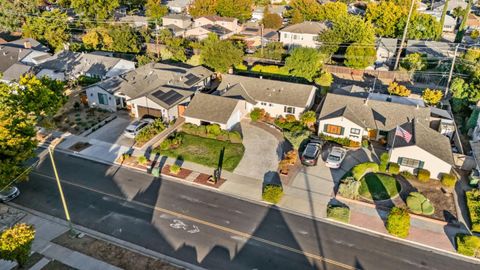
x: 376, y: 186
x: 206, y: 151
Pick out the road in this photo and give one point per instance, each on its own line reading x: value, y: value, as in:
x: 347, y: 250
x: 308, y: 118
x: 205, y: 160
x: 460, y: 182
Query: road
x: 210, y: 229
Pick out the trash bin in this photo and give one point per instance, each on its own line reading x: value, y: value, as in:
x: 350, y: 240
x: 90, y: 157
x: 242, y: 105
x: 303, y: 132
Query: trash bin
x: 156, y: 171
x: 474, y: 178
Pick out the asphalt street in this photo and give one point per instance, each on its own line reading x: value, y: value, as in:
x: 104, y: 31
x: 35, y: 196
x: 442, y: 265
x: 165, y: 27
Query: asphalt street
x: 210, y: 229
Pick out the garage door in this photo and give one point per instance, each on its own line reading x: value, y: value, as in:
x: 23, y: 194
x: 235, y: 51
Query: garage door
x: 148, y: 111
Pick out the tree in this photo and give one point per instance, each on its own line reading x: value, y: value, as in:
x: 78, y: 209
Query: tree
x: 96, y: 9
x: 201, y: 8
x: 458, y: 12
x: 176, y: 47
x: 50, y: 27
x: 155, y: 10
x: 124, y: 39
x: 398, y: 222
x: 304, y: 62
x: 16, y: 243
x: 220, y: 54
x: 385, y: 16
x: 463, y: 24
x: 297, y: 17
x: 306, y: 9
x: 464, y: 91
x: 398, y: 90
x: 273, y: 50
x: 308, y: 118
x: 360, y: 56
x: 432, y: 97
x: 413, y: 62
x: 271, y: 20
x: 145, y: 59
x: 331, y: 11
x: 424, y: 26
x: 14, y: 13
x: 325, y: 79
x: 240, y: 9
x: 98, y: 38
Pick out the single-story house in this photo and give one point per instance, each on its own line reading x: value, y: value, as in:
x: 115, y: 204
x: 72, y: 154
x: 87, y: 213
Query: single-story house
x: 202, y: 32
x: 425, y: 149
x: 135, y: 21
x: 303, y: 34
x: 225, y: 22
x: 179, y: 20
x: 207, y: 109
x: 70, y: 65
x: 15, y: 71
x: 452, y: 4
x: 154, y: 89
x: 178, y: 6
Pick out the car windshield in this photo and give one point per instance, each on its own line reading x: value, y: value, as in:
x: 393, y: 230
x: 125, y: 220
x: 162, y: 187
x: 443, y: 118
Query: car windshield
x: 132, y: 126
x: 334, y: 157
x: 310, y: 151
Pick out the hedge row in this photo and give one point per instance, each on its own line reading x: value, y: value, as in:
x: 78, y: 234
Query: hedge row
x: 212, y: 131
x: 473, y: 204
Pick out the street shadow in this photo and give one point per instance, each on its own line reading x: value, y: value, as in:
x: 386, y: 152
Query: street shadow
x: 179, y: 161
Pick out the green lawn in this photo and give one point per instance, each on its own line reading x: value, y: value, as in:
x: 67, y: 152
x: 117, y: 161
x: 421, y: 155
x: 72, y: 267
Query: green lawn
x: 207, y: 152
x: 378, y: 186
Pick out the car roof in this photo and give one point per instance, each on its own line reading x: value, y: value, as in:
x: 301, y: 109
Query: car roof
x: 338, y: 150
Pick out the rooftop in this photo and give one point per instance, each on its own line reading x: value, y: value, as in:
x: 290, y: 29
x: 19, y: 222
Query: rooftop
x: 211, y: 108
x: 306, y: 28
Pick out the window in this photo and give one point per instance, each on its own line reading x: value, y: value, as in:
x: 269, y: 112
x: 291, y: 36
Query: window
x: 294, y: 36
x: 102, y: 99
x: 263, y: 103
x: 332, y: 129
x: 285, y: 35
x: 271, y: 105
x: 355, y: 131
x: 410, y: 162
x: 287, y: 109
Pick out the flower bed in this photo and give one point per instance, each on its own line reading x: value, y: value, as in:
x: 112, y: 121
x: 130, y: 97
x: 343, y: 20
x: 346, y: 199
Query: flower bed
x: 183, y: 173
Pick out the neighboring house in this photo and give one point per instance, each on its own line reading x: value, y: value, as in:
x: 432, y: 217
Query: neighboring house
x: 67, y: 65
x: 435, y: 50
x: 15, y: 71
x: 303, y: 34
x: 473, y: 22
x: 154, y: 89
x: 207, y: 109
x: 449, y: 23
x: 135, y: 21
x: 386, y: 51
x: 438, y: 6
x: 257, y: 14
x: 225, y: 22
x: 202, y: 32
x: 178, y: 6
x: 179, y: 20
x: 378, y: 116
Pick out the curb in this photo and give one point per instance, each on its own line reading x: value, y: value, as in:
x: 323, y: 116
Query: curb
x: 124, y: 244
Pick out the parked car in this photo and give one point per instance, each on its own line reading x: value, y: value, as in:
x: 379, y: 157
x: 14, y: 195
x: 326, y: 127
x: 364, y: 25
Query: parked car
x: 9, y: 193
x: 312, y: 151
x: 132, y: 130
x: 335, y: 157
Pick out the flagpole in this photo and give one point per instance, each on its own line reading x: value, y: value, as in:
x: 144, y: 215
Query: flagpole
x: 394, y: 136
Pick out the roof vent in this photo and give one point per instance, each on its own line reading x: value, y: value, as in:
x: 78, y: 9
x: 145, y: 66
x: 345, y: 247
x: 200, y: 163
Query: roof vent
x: 27, y: 45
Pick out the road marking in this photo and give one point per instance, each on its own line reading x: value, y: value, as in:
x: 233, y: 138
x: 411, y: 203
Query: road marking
x: 207, y: 223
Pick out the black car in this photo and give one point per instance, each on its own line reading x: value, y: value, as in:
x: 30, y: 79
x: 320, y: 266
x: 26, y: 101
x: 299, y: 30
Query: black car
x: 312, y: 151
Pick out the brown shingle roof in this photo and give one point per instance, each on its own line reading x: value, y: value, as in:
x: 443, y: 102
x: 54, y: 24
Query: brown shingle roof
x: 306, y: 28
x: 211, y: 108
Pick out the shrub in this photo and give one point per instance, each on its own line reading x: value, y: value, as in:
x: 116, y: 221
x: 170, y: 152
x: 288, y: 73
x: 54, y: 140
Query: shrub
x: 423, y: 175
x: 142, y: 160
x: 325, y: 79
x: 448, y: 180
x: 393, y: 168
x: 365, y: 143
x: 338, y: 213
x: 165, y: 145
x: 235, y: 137
x: 348, y: 188
x: 473, y: 204
x: 272, y: 193
x: 363, y: 168
x: 214, y: 129
x: 296, y: 138
x: 270, y: 69
x: 150, y: 131
x: 399, y: 90
x: 257, y: 114
x: 468, y: 245
x: 16, y: 242
x: 240, y: 67
x: 398, y: 222
x: 342, y: 140
x: 407, y: 175
x: 174, y: 169
x: 291, y: 156
x: 419, y: 204
x: 384, y: 158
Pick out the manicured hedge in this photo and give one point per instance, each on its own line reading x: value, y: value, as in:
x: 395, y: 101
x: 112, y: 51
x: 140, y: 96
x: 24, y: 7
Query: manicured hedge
x: 361, y: 169
x: 473, y: 204
x: 423, y: 175
x: 448, y: 180
x: 468, y: 245
x: 339, y: 213
x: 393, y: 168
x: 419, y: 204
x: 398, y: 222
x: 212, y: 131
x: 272, y: 193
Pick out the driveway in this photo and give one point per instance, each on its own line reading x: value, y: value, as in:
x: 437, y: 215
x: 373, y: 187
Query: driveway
x: 262, y: 152
x: 113, y: 131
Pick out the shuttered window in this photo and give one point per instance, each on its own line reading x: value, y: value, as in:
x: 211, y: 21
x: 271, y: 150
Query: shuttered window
x: 333, y: 129
x: 410, y: 162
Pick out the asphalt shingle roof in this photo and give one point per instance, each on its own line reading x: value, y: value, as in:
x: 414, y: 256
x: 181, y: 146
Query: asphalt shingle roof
x: 211, y: 108
x: 306, y: 28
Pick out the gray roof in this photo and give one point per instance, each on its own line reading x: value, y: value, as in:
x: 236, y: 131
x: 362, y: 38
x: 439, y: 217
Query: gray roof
x: 14, y: 72
x: 8, y: 57
x: 255, y: 90
x: 351, y: 90
x: 178, y: 17
x: 370, y: 113
x: 15, y: 51
x: 33, y: 44
x: 306, y: 28
x: 211, y: 108
x: 426, y: 138
x: 389, y: 44
x: 431, y: 48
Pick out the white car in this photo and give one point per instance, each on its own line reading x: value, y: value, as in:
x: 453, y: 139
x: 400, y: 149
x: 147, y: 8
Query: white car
x: 132, y: 130
x: 9, y: 193
x: 335, y: 157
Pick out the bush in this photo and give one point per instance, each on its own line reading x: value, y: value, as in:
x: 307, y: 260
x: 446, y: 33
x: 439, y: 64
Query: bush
x: 365, y: 143
x: 174, y: 169
x: 150, y: 131
x: 16, y: 243
x: 473, y: 204
x: 363, y: 168
x: 348, y: 188
x: 257, y: 114
x: 407, y: 175
x: 296, y: 138
x: 468, y: 245
x: 398, y: 222
x: 240, y: 67
x: 340, y: 140
x: 235, y: 137
x: 325, y: 79
x: 142, y: 160
x: 423, y: 175
x: 448, y: 180
x: 393, y: 168
x: 214, y: 129
x: 165, y: 145
x: 272, y: 193
x: 270, y: 69
x: 419, y: 204
x: 338, y: 213
x: 384, y: 158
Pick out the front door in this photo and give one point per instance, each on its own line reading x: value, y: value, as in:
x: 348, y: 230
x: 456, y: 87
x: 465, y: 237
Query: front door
x: 372, y: 134
x: 181, y: 110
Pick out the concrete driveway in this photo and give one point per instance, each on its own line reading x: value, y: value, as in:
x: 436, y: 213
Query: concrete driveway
x: 262, y: 152
x: 113, y: 131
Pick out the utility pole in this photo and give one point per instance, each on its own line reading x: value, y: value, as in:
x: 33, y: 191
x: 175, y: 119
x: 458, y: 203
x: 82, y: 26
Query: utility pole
x: 451, y: 70
x: 397, y: 60
x: 261, y: 38
x: 156, y: 39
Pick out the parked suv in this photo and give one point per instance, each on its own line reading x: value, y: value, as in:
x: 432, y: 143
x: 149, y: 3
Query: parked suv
x: 134, y: 128
x: 312, y: 151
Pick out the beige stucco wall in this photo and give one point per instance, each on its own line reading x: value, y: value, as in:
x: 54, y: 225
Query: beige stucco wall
x: 296, y: 39
x: 346, y: 124
x: 93, y: 101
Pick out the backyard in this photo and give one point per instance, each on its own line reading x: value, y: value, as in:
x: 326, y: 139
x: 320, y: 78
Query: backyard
x: 206, y: 151
x: 378, y: 186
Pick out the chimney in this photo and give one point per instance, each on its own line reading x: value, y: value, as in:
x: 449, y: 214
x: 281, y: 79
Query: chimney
x: 27, y: 45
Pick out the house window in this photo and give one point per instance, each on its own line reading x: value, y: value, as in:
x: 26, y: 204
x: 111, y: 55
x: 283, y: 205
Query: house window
x: 102, y: 99
x: 287, y: 109
x: 355, y: 131
x: 263, y: 103
x: 285, y: 35
x: 294, y: 36
x: 271, y: 105
x: 410, y: 162
x: 333, y: 129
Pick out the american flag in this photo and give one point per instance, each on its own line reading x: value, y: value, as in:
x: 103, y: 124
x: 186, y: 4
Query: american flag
x: 407, y: 136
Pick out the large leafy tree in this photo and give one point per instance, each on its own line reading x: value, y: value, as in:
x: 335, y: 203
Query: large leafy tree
x: 240, y: 9
x: 360, y: 56
x: 424, y: 26
x: 202, y: 8
x: 16, y: 243
x: 117, y: 38
x: 97, y: 9
x: 414, y: 62
x: 155, y: 10
x: 13, y: 13
x: 311, y: 10
x: 50, y: 28
x: 220, y: 55
x: 385, y: 16
x: 307, y: 9
x: 271, y: 20
x: 273, y: 50
x: 98, y: 38
x: 304, y: 62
